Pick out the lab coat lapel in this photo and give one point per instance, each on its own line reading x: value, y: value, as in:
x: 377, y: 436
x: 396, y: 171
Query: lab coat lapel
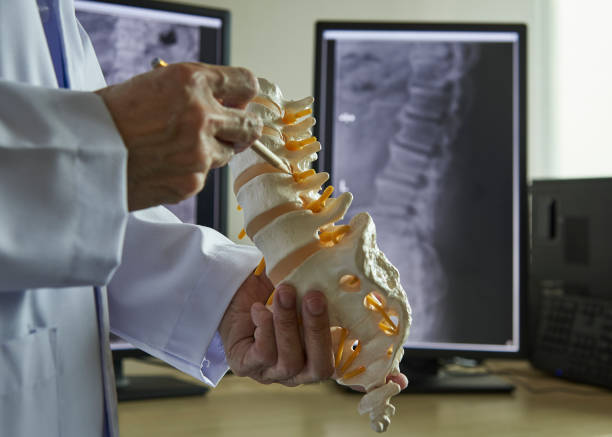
x: 25, y: 57
x: 110, y: 394
x: 83, y: 73
x: 82, y: 68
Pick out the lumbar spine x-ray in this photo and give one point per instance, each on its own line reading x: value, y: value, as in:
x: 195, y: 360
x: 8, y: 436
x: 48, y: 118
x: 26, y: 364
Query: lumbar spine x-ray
x: 416, y: 94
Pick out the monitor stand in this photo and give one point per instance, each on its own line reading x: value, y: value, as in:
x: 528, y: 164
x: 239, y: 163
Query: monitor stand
x: 134, y: 388
x: 428, y: 376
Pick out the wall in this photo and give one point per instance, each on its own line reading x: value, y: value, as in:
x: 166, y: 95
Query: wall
x: 581, y: 66
x: 275, y: 39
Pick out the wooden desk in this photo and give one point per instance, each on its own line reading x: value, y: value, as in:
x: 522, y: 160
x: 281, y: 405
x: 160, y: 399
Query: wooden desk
x: 541, y: 406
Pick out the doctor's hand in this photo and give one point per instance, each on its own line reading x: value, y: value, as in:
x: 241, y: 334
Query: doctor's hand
x: 268, y: 347
x: 179, y: 122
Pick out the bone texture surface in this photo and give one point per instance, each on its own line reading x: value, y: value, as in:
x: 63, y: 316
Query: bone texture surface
x: 292, y: 221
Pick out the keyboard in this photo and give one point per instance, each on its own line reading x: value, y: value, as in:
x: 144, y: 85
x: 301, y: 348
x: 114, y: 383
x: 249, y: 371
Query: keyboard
x: 574, y: 337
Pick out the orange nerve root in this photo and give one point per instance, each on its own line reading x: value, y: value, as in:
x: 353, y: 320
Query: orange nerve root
x: 387, y: 325
x: 340, y: 347
x: 351, y: 358
x: 335, y: 235
x: 349, y: 283
x: 290, y: 118
x: 294, y: 145
x: 260, y: 267
x: 299, y: 177
x: 270, y: 298
x: 359, y: 370
x: 317, y: 205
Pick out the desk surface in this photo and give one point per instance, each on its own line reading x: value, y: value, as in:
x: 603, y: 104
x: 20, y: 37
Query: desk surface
x: 540, y: 406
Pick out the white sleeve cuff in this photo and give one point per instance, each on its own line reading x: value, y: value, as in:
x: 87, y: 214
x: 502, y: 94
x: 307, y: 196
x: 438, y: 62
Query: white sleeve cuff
x: 214, y: 365
x: 172, y: 289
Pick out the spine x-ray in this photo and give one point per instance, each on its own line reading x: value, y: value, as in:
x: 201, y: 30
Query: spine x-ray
x: 423, y: 137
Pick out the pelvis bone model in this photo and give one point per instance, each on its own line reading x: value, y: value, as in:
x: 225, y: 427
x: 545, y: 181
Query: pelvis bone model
x: 292, y: 223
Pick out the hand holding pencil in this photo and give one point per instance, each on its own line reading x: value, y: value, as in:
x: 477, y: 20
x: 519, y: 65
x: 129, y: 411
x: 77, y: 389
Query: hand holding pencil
x: 179, y: 122
x: 257, y: 146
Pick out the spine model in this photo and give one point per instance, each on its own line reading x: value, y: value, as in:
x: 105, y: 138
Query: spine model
x: 293, y: 224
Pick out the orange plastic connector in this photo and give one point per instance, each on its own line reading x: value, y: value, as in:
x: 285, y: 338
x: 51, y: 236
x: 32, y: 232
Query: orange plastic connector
x: 335, y: 235
x: 290, y: 118
x: 390, y: 351
x: 299, y: 177
x: 294, y: 145
x: 241, y: 234
x: 358, y: 371
x: 270, y: 298
x: 239, y: 208
x: 260, y: 267
x: 352, y: 358
x: 338, y: 358
x: 350, y: 283
x: 317, y: 205
x: 387, y: 325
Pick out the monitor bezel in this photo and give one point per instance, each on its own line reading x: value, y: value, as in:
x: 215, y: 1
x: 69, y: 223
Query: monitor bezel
x: 324, y: 164
x: 215, y: 190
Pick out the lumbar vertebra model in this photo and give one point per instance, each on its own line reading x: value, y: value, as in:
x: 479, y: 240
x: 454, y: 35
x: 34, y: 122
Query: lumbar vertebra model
x: 292, y: 223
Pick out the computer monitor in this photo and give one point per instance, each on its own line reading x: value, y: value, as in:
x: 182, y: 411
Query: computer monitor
x: 426, y: 125
x: 127, y: 35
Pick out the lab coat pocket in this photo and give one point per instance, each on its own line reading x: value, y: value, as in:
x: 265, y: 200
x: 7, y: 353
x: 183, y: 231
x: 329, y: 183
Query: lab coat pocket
x: 28, y: 383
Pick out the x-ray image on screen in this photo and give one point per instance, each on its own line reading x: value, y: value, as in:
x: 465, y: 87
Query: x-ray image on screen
x: 126, y: 42
x: 126, y: 45
x: 423, y: 137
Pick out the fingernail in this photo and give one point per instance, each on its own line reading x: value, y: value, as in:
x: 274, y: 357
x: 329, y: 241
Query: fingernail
x: 315, y: 305
x: 286, y: 298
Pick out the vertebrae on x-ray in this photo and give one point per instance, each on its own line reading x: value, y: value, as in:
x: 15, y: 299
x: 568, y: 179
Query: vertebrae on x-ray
x: 408, y: 187
x: 293, y: 224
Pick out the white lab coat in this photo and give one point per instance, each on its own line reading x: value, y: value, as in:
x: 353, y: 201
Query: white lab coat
x: 64, y: 227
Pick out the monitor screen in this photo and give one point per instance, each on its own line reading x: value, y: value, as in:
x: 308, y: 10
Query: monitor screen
x: 128, y: 35
x: 425, y: 125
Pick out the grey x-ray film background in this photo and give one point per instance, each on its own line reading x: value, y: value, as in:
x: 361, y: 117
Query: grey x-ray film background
x: 126, y: 45
x: 423, y: 136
